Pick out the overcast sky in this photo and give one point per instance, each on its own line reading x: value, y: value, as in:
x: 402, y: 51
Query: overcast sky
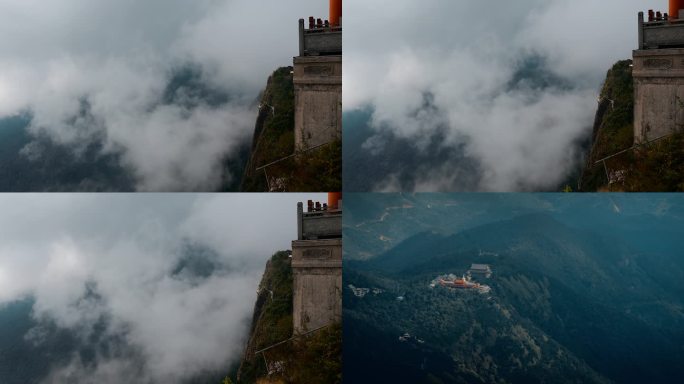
x: 126, y: 246
x: 118, y: 54
x: 465, y: 54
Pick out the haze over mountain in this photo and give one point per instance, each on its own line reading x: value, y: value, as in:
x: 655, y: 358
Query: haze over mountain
x: 393, y: 218
x: 113, y: 288
x: 162, y: 93
x: 475, y: 95
x: 583, y: 289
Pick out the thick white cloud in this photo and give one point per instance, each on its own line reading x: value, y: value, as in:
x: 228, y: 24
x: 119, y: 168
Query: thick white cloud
x: 126, y: 246
x: 464, y: 54
x: 120, y: 55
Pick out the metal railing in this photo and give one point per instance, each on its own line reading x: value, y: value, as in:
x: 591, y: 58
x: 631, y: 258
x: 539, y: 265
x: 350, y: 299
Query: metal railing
x: 635, y: 146
x: 264, y: 167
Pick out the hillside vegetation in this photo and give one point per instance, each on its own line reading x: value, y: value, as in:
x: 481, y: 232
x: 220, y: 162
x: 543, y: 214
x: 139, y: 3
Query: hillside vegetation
x: 273, y: 147
x: 657, y: 166
x: 567, y: 305
x: 315, y: 358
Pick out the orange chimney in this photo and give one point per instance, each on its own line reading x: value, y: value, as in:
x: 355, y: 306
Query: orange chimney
x: 335, y: 12
x: 675, y: 6
x: 334, y: 200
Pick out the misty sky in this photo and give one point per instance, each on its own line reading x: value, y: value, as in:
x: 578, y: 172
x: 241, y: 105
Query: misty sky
x: 465, y: 55
x: 119, y: 55
x: 126, y: 247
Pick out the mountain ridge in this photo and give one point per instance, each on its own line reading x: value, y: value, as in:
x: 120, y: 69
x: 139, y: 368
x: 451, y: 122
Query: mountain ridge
x: 560, y: 289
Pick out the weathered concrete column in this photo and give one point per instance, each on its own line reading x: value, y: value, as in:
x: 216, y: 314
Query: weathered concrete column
x: 300, y: 221
x: 318, y: 100
x: 301, y: 37
x: 658, y: 72
x: 658, y: 93
x: 317, y: 285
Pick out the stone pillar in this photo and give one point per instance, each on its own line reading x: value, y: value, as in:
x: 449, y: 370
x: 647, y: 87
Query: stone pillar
x: 317, y: 285
x: 318, y: 100
x: 300, y: 221
x: 301, y: 37
x: 658, y: 93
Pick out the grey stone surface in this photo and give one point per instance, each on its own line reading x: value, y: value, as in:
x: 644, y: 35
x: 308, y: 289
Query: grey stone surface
x: 318, y: 100
x: 320, y: 226
x: 323, y: 43
x: 317, y: 284
x: 316, y: 42
x: 660, y: 34
x: 664, y: 37
x: 658, y: 93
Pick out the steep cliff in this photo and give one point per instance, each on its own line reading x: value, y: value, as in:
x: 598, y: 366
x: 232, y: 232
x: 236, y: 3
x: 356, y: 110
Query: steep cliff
x: 314, y: 358
x: 272, y: 318
x: 613, y: 164
x: 272, y: 165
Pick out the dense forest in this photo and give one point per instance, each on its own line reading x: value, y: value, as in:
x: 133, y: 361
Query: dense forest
x: 568, y: 302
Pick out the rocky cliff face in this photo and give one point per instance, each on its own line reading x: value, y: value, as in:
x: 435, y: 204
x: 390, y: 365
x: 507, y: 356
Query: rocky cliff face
x: 613, y: 126
x: 272, y: 318
x: 274, y: 129
x: 272, y: 166
x: 612, y: 162
x: 271, y: 354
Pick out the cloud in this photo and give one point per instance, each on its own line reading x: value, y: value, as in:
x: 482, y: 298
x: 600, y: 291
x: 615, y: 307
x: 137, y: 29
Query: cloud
x: 98, y: 71
x: 515, y: 83
x: 111, y: 261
